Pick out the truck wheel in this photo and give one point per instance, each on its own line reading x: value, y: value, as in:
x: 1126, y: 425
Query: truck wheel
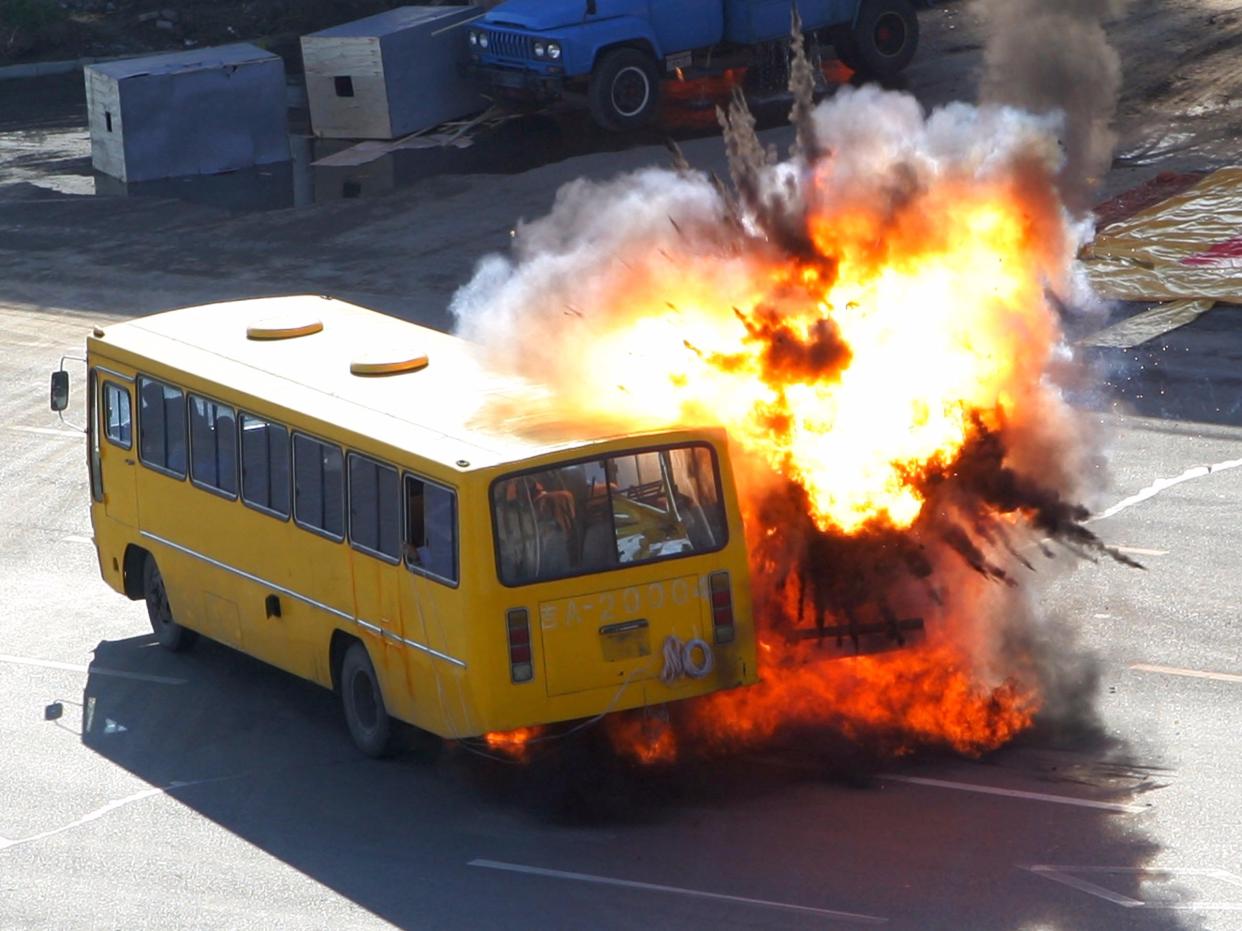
x: 373, y: 731
x: 884, y: 40
x: 170, y: 635
x: 846, y: 48
x: 625, y: 89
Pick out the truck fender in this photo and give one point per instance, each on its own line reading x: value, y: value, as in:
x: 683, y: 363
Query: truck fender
x: 593, y: 39
x: 918, y: 5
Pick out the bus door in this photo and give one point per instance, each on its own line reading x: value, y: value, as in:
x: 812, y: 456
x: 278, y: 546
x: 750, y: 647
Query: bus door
x: 375, y: 538
x: 432, y: 604
x: 117, y: 455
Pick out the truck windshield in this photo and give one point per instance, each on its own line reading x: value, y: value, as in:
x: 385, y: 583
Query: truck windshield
x: 600, y: 514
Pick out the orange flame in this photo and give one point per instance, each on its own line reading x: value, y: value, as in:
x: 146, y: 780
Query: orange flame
x: 861, y: 346
x: 514, y: 744
x: 853, y: 377
x: 644, y: 738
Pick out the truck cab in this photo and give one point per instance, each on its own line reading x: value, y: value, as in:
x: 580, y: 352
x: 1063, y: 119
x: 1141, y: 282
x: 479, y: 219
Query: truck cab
x: 616, y: 53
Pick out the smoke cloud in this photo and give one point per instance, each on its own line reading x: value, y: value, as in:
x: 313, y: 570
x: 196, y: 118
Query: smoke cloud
x: 1048, y: 56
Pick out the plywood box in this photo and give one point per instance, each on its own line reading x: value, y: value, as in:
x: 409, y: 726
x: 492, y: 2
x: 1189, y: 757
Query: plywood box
x: 391, y: 74
x: 188, y: 113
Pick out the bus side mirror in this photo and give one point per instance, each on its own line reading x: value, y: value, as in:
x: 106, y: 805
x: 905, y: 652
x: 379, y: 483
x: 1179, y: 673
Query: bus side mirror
x: 60, y: 390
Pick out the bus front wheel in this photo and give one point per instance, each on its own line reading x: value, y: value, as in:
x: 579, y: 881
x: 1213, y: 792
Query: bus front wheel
x: 373, y: 731
x: 169, y: 634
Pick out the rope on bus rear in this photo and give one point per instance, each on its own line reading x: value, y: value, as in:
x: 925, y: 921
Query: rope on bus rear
x: 679, y: 659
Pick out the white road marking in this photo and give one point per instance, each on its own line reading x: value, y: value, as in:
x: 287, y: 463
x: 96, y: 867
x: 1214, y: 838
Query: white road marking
x: 109, y: 807
x: 1017, y: 793
x: 1190, y: 673
x: 92, y: 670
x: 47, y: 431
x: 654, y: 887
x: 1164, y: 484
x: 1139, y: 551
x: 76, y: 538
x: 87, y: 818
x: 1066, y: 876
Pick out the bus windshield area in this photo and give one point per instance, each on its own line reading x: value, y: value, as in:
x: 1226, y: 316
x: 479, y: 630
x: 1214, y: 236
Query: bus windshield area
x: 608, y: 513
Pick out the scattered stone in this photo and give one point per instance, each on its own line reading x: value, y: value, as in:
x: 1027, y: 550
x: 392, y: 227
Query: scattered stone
x: 164, y: 24
x: 170, y: 15
x: 147, y: 17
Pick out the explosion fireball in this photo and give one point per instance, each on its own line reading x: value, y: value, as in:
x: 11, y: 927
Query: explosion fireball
x: 874, y: 320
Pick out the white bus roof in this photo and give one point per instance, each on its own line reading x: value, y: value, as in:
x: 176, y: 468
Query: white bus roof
x: 456, y: 409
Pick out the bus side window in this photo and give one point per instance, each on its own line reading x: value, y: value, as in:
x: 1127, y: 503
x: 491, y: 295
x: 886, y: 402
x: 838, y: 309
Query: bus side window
x: 213, y: 445
x: 318, y: 486
x: 265, y: 465
x: 161, y: 426
x: 431, y: 528
x: 374, y: 507
x: 117, y: 424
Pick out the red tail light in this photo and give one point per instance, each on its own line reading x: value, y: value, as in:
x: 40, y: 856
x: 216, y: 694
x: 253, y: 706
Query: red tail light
x: 722, y: 606
x: 520, y: 667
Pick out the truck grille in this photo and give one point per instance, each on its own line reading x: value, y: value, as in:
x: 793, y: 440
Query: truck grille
x: 509, y: 45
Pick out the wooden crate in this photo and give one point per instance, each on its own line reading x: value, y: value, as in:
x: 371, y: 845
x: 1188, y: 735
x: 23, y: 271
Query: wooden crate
x: 187, y: 113
x: 391, y: 74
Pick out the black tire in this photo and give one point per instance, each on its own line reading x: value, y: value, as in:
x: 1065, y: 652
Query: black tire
x: 624, y: 92
x: 171, y: 635
x: 373, y: 731
x: 884, y: 40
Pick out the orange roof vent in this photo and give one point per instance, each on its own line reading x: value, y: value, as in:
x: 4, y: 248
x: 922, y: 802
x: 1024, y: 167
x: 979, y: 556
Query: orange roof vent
x: 284, y: 326
x: 387, y: 362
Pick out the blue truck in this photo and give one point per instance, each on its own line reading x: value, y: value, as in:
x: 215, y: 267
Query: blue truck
x: 615, y: 53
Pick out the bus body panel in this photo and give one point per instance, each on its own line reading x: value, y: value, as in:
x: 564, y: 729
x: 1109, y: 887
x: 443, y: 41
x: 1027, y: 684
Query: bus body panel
x: 281, y: 592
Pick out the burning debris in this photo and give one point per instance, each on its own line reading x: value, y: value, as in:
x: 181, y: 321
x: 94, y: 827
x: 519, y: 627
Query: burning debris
x: 874, y: 320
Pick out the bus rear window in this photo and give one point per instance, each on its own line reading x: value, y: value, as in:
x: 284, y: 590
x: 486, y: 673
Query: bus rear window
x: 600, y: 514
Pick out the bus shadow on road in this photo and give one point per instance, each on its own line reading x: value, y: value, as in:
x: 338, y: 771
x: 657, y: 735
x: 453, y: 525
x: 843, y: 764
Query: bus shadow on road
x: 266, y: 757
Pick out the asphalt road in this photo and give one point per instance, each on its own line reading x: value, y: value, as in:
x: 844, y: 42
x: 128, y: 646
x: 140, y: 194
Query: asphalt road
x: 206, y: 790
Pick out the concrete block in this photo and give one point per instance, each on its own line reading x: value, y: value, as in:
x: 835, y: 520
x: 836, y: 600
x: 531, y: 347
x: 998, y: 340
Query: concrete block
x: 392, y: 74
x: 203, y: 111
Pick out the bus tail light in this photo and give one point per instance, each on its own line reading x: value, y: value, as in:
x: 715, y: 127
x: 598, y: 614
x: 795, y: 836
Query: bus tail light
x: 520, y: 666
x: 722, y: 606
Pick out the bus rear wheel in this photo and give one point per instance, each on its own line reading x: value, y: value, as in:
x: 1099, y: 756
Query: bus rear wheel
x: 170, y: 635
x: 374, y: 732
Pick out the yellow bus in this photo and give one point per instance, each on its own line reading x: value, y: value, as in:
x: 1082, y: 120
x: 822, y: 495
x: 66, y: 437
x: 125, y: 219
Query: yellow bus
x: 328, y: 489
